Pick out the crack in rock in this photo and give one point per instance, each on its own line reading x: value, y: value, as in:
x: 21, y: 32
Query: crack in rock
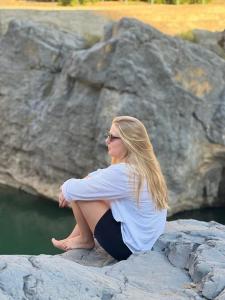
x: 106, y: 296
x: 3, y: 265
x: 30, y: 287
x: 34, y: 262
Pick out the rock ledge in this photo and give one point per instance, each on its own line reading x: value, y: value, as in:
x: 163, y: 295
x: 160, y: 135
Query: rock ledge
x: 188, y: 262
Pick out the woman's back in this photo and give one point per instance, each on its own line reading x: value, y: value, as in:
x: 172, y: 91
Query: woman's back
x: 141, y: 222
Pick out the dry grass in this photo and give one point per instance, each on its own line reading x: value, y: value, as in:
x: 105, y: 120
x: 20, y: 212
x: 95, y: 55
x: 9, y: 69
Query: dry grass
x: 170, y: 19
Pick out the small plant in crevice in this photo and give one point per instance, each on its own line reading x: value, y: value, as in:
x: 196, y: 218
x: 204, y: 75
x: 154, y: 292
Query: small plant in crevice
x: 91, y: 40
x: 68, y: 2
x: 188, y: 36
x: 75, y: 2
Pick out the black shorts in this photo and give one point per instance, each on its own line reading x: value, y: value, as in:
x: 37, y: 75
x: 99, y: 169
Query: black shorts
x: 108, y: 234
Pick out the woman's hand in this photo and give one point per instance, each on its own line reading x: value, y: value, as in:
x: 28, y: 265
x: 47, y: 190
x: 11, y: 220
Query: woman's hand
x: 62, y: 200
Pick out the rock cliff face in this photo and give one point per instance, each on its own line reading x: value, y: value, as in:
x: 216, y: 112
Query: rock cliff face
x: 67, y: 20
x: 188, y: 262
x: 59, y: 93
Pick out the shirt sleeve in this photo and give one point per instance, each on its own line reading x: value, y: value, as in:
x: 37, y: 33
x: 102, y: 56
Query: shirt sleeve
x: 95, y: 172
x: 107, y: 184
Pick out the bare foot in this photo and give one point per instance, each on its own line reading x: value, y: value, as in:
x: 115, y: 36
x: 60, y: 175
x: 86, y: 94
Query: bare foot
x: 60, y: 244
x: 78, y: 243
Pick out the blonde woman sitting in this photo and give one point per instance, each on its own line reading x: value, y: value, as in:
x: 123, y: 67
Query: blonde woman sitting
x: 123, y: 206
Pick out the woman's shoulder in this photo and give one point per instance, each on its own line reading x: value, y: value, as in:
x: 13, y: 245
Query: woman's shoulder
x: 110, y: 169
x: 118, y: 169
x: 118, y: 166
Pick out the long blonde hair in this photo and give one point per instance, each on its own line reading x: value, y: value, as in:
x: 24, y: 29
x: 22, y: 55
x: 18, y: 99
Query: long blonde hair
x: 142, y: 160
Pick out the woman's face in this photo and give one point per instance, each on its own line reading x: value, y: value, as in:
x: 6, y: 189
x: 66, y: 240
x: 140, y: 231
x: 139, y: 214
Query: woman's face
x: 116, y: 147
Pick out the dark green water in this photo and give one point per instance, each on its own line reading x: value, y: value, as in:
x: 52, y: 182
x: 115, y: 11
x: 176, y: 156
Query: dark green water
x: 205, y: 214
x: 27, y: 223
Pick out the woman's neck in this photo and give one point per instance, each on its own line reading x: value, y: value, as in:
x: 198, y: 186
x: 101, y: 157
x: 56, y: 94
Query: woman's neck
x: 118, y: 161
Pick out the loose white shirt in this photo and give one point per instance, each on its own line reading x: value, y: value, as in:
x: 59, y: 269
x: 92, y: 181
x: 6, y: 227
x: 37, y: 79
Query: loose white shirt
x: 141, y: 224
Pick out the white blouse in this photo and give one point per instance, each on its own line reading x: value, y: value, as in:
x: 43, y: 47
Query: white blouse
x: 141, y: 224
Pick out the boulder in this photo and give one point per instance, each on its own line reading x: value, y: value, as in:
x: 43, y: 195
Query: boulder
x: 59, y: 93
x: 63, y: 19
x: 187, y: 262
x: 221, y: 41
x: 213, y: 41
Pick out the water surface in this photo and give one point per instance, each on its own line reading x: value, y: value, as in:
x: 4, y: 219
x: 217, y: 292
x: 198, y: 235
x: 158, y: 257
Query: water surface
x: 27, y: 223
x: 204, y: 214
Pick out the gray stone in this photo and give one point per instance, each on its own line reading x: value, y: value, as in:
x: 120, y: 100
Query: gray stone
x: 96, y: 257
x: 221, y: 296
x: 91, y: 274
x: 58, y: 96
x: 213, y: 283
x: 66, y: 20
x: 178, y: 254
x: 149, y: 266
x: 210, y: 40
x: 3, y: 265
x: 221, y: 41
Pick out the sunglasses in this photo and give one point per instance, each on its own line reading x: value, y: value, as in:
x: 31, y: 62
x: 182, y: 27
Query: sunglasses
x: 110, y: 137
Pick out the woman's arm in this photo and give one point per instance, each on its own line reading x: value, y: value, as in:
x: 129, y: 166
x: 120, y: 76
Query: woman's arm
x: 108, y: 184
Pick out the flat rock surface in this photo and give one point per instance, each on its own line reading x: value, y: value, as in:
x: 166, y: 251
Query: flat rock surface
x: 187, y: 262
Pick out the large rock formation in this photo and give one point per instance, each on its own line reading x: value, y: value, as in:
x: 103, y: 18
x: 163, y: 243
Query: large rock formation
x: 213, y: 41
x: 67, y: 20
x: 188, y: 262
x: 59, y: 93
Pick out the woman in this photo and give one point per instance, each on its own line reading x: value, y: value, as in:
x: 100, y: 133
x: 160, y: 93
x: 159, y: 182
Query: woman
x: 123, y: 206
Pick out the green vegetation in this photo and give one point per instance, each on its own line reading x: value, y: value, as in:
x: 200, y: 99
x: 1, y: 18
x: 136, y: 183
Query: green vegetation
x: 188, y: 36
x: 66, y: 2
x: 217, y: 47
x: 75, y: 2
x: 91, y: 40
x: 176, y: 2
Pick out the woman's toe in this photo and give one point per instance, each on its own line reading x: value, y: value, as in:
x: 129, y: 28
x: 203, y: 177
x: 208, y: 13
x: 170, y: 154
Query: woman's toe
x: 59, y: 244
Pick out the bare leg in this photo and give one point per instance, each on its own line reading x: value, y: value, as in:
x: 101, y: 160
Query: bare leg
x: 87, y: 214
x: 86, y: 241
x: 92, y: 211
x: 75, y: 232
